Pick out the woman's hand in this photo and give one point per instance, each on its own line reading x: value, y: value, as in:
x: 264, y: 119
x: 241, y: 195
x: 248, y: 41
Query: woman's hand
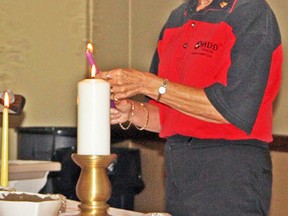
x: 189, y: 100
x: 136, y: 113
x: 122, y: 112
x: 125, y: 83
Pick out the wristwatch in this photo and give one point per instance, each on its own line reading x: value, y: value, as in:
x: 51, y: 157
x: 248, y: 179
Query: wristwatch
x: 162, y: 89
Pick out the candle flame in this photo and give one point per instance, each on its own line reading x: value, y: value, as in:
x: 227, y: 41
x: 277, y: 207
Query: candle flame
x: 93, y: 71
x: 6, y: 99
x: 90, y: 47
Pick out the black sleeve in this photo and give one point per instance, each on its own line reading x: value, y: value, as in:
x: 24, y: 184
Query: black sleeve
x: 240, y: 101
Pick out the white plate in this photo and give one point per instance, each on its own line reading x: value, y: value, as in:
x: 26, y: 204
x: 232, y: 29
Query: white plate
x: 28, y: 208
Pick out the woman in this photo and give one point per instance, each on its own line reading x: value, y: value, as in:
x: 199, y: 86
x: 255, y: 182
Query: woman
x: 215, y: 74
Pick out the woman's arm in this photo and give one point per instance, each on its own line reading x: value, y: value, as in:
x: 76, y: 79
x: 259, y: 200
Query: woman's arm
x: 191, y: 101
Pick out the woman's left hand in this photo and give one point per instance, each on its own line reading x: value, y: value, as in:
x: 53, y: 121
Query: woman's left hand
x: 124, y: 82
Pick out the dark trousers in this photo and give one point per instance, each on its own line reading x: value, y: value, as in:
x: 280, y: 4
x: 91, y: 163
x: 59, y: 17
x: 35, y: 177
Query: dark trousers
x: 217, y: 177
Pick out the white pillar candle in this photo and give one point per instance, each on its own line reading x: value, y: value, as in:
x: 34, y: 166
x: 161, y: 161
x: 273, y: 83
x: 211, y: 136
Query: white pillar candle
x: 93, y: 127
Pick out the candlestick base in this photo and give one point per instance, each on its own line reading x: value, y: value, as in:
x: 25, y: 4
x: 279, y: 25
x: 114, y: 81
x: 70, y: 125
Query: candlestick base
x: 93, y: 187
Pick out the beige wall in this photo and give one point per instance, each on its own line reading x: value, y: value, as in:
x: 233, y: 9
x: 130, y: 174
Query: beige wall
x: 41, y: 56
x: 42, y: 45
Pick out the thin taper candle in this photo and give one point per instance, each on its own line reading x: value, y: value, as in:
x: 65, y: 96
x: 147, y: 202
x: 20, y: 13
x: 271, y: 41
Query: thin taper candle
x: 89, y: 56
x: 5, y: 142
x: 94, y: 68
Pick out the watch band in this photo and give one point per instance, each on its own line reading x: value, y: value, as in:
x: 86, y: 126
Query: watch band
x: 162, y: 89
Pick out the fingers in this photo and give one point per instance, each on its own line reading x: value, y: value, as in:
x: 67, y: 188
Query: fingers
x: 124, y: 83
x: 115, y: 116
x: 105, y: 75
x: 115, y: 98
x: 115, y: 76
x: 120, y: 114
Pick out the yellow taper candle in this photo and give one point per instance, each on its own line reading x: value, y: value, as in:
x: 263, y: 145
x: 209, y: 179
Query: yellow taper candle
x: 5, y: 141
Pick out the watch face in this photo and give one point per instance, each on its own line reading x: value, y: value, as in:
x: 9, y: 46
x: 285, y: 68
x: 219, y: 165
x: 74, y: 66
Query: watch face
x: 162, y: 90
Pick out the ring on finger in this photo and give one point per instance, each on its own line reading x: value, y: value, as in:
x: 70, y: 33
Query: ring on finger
x: 107, y: 76
x: 115, y: 99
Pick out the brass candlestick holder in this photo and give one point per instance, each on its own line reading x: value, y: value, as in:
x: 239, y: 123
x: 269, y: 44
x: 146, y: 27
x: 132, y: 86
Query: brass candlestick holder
x: 93, y: 187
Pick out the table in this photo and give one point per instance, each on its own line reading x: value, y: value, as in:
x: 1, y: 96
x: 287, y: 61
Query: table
x: 30, y: 175
x: 72, y: 210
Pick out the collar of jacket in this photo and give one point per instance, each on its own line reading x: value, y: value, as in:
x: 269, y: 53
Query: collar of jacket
x: 227, y: 5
